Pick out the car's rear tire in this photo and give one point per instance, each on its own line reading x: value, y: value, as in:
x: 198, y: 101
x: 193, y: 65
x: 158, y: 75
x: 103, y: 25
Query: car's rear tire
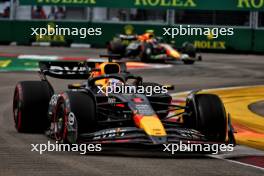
x: 189, y: 48
x: 116, y: 47
x: 163, y: 98
x: 188, y: 62
x: 207, y: 115
x: 30, y: 106
x: 147, y: 51
x: 75, y: 114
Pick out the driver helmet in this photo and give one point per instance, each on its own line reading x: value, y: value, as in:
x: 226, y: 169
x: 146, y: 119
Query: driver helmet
x: 113, y: 85
x: 150, y: 33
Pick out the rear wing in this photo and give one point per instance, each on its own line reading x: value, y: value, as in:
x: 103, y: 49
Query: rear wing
x: 65, y: 69
x: 71, y: 69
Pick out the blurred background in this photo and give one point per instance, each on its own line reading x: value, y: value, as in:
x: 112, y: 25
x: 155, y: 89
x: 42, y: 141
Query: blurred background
x: 246, y: 17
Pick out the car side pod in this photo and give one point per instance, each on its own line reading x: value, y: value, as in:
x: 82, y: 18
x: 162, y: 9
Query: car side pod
x: 152, y: 127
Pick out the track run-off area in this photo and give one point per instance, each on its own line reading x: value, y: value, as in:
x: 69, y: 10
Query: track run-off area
x: 247, y: 123
x: 237, y: 79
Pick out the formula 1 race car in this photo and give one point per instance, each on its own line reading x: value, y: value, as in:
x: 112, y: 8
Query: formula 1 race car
x: 85, y: 113
x: 149, y: 48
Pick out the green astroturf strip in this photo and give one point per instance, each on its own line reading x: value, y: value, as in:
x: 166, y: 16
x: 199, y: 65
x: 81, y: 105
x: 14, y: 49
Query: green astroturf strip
x: 14, y: 64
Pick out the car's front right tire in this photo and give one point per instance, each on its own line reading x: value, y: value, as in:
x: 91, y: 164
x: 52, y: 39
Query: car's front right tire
x: 206, y: 113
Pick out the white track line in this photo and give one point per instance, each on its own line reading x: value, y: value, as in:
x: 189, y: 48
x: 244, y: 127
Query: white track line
x: 38, y: 57
x: 237, y: 162
x: 219, y: 156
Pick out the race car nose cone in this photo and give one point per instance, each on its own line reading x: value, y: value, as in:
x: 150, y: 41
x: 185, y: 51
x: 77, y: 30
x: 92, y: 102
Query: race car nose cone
x: 151, y: 125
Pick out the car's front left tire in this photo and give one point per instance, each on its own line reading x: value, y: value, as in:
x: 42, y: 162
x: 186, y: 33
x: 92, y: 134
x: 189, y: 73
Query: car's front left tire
x: 30, y: 106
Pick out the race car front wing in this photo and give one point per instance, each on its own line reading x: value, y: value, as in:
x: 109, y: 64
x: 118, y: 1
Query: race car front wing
x: 136, y: 135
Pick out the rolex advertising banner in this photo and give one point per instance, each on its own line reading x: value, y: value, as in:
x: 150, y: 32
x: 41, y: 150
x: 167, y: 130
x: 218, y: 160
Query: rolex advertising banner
x: 257, y: 5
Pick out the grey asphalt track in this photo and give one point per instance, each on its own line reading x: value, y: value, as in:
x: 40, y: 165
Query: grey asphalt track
x: 216, y: 70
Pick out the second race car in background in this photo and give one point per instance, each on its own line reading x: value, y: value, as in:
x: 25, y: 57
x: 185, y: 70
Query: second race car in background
x: 149, y: 48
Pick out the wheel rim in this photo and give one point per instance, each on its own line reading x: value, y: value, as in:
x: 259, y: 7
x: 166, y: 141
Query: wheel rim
x: 59, y: 122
